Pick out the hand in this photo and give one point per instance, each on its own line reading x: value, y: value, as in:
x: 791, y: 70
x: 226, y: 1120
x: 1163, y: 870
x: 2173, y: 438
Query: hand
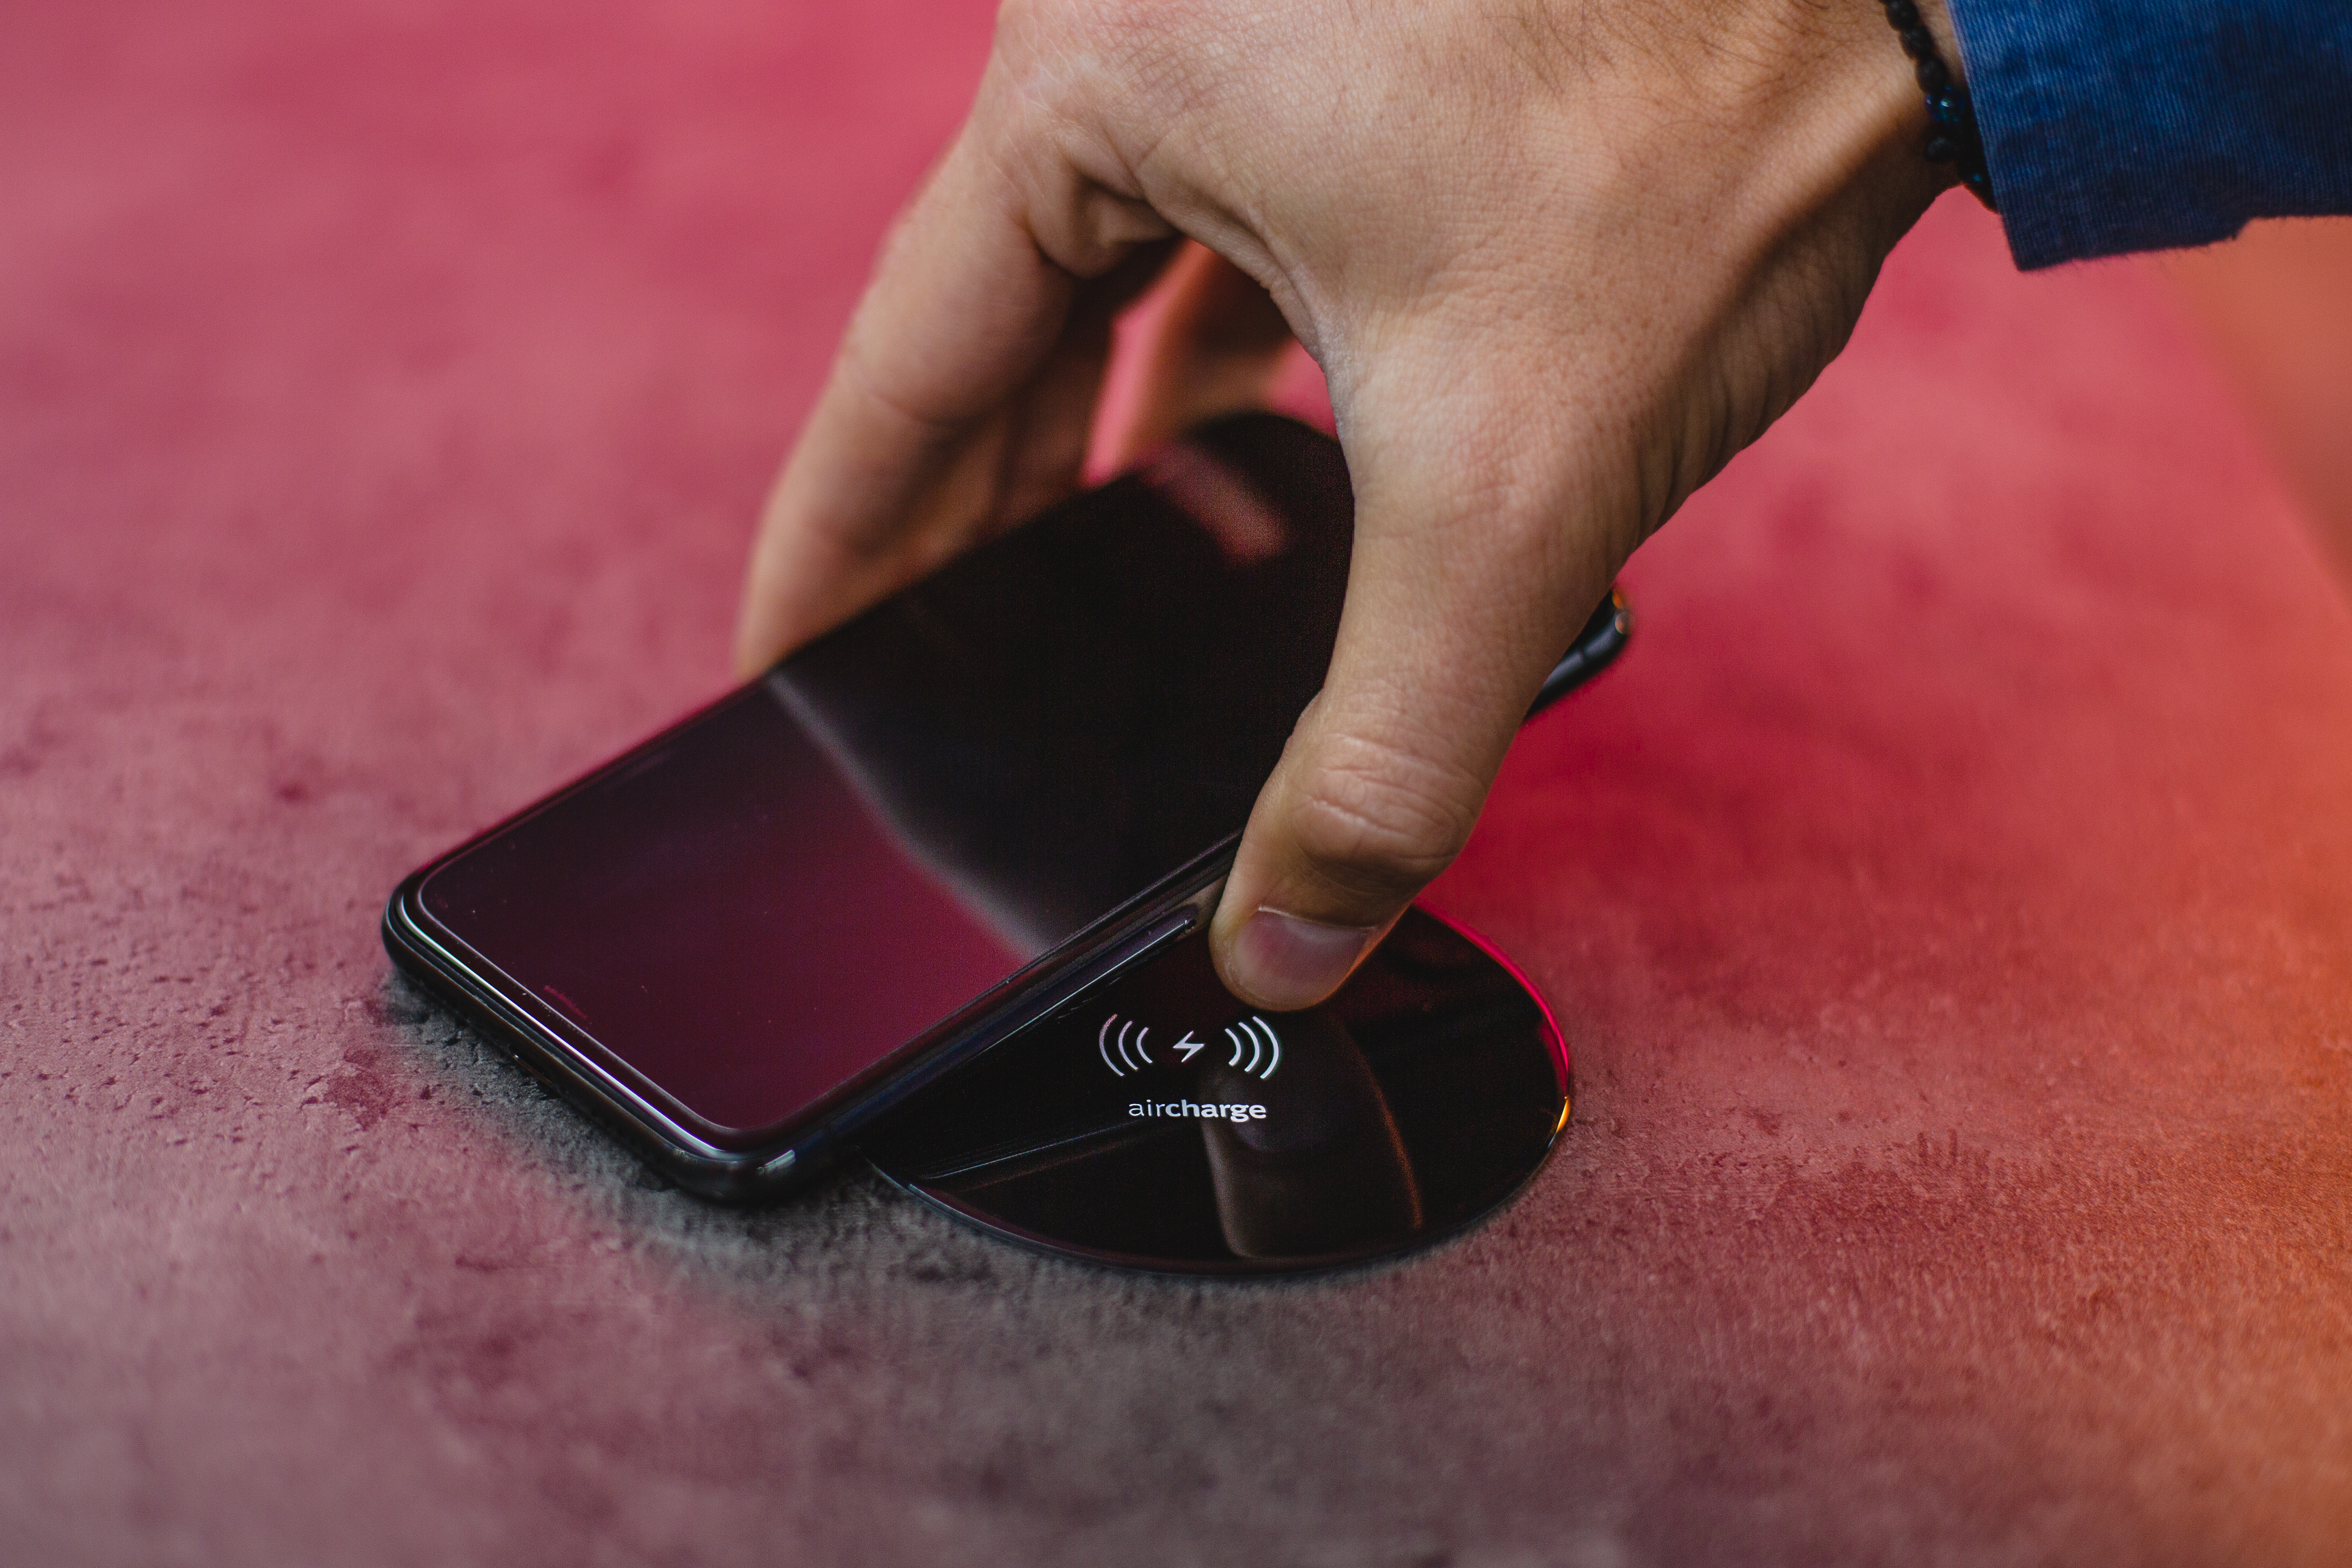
x: 1558, y: 259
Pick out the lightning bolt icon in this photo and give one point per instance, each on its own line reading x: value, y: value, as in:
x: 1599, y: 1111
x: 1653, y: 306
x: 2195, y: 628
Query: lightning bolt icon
x: 1188, y: 1044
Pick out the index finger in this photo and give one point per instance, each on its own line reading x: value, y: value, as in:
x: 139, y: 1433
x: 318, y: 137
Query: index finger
x: 962, y: 390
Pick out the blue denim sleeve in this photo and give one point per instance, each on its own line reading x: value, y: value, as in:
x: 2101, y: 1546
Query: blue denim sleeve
x: 2116, y: 125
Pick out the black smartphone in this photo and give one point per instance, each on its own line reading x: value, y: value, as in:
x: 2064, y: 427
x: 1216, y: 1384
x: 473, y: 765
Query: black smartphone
x: 743, y: 941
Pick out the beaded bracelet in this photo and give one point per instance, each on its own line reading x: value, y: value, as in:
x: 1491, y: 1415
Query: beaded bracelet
x: 1952, y: 136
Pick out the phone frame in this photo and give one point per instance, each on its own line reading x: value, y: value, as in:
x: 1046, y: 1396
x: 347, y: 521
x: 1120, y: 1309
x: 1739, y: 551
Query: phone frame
x: 747, y: 1167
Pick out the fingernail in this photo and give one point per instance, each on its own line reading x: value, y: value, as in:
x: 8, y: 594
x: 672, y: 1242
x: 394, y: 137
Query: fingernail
x: 1284, y: 961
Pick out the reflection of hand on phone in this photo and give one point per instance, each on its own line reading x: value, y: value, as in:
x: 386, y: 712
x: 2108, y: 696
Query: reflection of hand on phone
x: 1064, y: 720
x: 1324, y: 1169
x: 1556, y: 274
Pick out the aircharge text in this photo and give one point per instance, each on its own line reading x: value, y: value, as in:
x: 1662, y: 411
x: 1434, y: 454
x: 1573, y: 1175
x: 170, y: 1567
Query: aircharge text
x: 1207, y: 1110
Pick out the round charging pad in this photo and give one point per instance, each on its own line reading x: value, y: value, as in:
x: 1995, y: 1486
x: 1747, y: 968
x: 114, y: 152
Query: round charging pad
x: 1159, y: 1124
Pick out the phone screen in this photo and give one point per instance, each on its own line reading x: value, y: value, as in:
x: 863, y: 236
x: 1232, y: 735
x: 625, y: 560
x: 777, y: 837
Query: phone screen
x: 753, y: 909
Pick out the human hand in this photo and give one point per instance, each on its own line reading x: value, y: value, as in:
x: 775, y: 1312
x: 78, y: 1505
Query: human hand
x: 1558, y: 259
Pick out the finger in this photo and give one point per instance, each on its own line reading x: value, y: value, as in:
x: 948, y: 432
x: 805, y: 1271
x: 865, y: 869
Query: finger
x: 961, y: 390
x: 1472, y: 568
x: 1211, y: 341
x: 958, y: 278
x: 1038, y: 442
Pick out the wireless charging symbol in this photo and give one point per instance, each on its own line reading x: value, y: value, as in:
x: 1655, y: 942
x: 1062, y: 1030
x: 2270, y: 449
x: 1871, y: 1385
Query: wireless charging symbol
x: 1125, y: 1052
x: 1245, y: 1035
x: 1104, y: 1043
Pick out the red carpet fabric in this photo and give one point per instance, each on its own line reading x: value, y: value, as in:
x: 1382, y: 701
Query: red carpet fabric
x: 1950, y: 900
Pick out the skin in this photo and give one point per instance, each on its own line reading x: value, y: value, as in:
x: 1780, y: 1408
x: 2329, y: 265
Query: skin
x: 1559, y: 260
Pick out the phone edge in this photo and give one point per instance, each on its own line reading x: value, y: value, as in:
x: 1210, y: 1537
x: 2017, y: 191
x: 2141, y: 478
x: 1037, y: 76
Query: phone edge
x: 803, y: 1147
x: 1606, y: 632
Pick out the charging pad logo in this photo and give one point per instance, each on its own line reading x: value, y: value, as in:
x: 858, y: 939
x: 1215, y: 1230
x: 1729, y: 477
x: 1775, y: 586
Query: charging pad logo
x: 1125, y: 1064
x: 1245, y: 1033
x: 1123, y: 1046
x: 1126, y: 1051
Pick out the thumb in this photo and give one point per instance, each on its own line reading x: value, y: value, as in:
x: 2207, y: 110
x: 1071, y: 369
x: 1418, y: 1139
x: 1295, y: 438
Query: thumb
x: 1473, y: 567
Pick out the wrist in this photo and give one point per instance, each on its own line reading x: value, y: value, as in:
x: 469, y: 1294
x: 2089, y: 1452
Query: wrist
x: 1868, y: 94
x: 1935, y: 15
x: 1952, y: 139
x: 1821, y: 94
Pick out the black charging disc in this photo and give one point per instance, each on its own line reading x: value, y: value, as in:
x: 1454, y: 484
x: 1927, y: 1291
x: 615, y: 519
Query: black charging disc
x: 1161, y: 1125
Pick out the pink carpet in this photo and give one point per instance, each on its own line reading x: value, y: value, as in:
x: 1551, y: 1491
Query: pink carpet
x: 1949, y: 900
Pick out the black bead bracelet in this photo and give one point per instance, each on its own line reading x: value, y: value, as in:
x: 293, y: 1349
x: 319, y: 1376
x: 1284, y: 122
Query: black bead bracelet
x: 1952, y: 136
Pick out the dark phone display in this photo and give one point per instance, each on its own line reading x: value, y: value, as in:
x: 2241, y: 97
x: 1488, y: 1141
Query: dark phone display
x: 751, y: 910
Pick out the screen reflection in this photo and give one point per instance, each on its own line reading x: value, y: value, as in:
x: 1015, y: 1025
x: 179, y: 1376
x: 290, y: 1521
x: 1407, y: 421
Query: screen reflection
x: 753, y: 910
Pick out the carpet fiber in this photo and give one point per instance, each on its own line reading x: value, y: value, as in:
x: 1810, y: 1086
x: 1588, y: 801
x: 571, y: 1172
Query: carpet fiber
x: 1948, y: 900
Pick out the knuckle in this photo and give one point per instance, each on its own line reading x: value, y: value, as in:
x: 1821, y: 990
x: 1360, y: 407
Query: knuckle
x: 1378, y: 821
x: 1070, y: 107
x: 1077, y: 61
x: 1044, y: 39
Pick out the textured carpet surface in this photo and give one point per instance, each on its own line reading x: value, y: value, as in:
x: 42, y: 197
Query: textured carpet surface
x: 1949, y: 900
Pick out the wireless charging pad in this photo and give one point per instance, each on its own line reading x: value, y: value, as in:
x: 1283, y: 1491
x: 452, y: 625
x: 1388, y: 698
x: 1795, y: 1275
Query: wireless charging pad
x: 1161, y: 1125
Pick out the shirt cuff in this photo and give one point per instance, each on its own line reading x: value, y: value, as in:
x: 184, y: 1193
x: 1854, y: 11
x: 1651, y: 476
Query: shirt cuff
x: 2120, y: 125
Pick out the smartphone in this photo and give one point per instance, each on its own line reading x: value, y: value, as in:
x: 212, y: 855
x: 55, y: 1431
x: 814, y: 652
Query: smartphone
x: 743, y: 942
